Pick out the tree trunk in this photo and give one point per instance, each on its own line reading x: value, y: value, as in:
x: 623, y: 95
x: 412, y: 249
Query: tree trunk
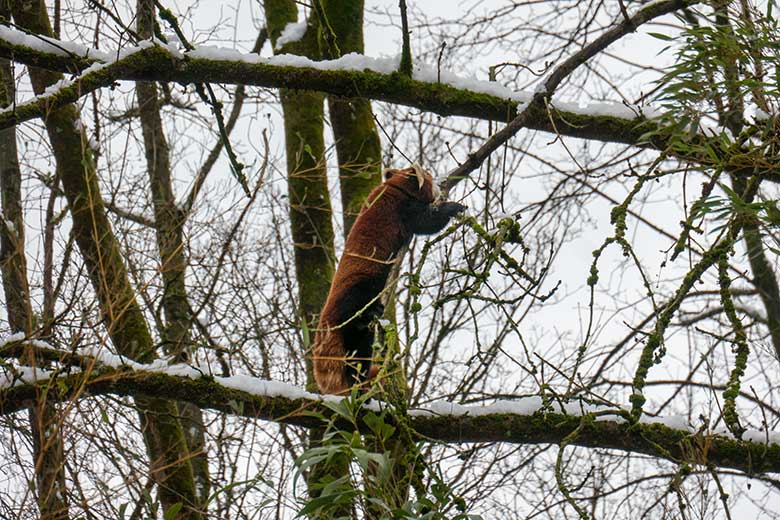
x: 307, y: 183
x: 360, y: 170
x: 358, y: 148
x: 310, y: 209
x: 169, y: 222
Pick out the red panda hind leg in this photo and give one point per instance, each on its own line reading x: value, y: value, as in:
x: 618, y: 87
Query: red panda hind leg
x: 335, y: 372
x: 329, y: 359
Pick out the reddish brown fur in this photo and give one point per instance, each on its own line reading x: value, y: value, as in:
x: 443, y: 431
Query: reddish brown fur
x: 379, y: 232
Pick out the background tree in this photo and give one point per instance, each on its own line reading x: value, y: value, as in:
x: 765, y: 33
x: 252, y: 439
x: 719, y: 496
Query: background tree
x: 607, y: 311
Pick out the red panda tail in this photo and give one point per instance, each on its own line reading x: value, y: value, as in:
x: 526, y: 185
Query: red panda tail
x: 329, y: 361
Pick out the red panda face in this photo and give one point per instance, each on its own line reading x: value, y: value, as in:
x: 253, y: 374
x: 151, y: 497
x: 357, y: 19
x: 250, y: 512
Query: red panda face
x: 415, y: 181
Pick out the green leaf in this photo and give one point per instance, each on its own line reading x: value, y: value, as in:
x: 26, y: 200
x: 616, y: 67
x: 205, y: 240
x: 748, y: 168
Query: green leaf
x: 661, y: 36
x: 172, y: 511
x: 331, y: 501
x: 772, y: 212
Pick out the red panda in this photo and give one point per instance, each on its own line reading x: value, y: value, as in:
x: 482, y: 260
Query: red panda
x: 404, y: 205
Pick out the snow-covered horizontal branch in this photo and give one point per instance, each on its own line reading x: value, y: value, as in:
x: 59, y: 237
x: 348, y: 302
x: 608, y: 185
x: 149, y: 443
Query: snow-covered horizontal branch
x: 430, y: 89
x: 353, y: 75
x: 521, y: 421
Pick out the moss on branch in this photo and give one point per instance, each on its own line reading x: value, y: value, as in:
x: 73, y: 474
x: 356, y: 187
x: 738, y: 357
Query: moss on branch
x: 653, y: 439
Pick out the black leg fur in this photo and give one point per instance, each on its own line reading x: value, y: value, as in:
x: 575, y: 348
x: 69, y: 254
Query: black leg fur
x: 427, y: 219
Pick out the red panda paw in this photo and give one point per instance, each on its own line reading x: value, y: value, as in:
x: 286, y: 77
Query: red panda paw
x: 372, y: 373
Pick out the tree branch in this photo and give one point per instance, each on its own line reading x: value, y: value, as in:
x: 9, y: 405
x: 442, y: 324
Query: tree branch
x: 157, y: 64
x: 267, y: 402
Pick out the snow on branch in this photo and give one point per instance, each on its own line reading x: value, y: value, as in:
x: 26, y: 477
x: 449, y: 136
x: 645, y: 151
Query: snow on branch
x: 520, y: 421
x: 99, y: 74
x: 353, y: 75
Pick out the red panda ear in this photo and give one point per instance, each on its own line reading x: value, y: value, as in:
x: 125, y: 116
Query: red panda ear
x: 420, y: 174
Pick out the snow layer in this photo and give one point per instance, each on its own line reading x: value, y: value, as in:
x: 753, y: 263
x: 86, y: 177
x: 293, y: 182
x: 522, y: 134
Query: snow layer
x: 424, y: 73
x: 292, y: 32
x: 50, y: 45
x: 104, y: 61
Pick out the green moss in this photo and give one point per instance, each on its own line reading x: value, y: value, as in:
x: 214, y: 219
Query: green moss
x: 651, y: 439
x: 310, y: 208
x: 730, y: 394
x: 278, y: 13
x: 655, y: 339
x: 157, y: 64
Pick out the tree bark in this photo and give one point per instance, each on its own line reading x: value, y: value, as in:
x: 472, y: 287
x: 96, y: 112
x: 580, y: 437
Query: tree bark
x: 359, y: 153
x: 307, y: 183
x: 358, y: 148
x: 310, y: 208
x: 541, y: 427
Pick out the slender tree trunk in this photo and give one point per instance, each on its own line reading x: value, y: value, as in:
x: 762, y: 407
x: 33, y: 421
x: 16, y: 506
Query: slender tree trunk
x: 44, y: 418
x: 358, y: 147
x: 310, y: 209
x: 169, y: 222
x: 122, y: 316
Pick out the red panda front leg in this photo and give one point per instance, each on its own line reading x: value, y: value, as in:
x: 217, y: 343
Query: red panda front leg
x: 427, y: 219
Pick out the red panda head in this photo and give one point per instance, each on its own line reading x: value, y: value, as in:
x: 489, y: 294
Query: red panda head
x: 415, y: 182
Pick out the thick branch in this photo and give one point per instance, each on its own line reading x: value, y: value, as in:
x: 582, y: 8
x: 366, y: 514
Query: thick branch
x: 650, y: 439
x: 157, y: 64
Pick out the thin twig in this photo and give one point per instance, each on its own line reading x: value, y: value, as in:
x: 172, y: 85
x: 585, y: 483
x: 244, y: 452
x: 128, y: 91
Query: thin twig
x: 210, y: 99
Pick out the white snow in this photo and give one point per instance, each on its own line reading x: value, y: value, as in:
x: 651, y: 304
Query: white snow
x: 173, y: 46
x: 676, y: 422
x: 105, y: 60
x: 761, y: 115
x: 11, y: 338
x: 9, y: 225
x: 761, y: 437
x: 424, y: 73
x: 23, y: 375
x: 612, y: 109
x: 522, y: 406
x: 263, y: 387
x: 50, y: 45
x: 292, y: 32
